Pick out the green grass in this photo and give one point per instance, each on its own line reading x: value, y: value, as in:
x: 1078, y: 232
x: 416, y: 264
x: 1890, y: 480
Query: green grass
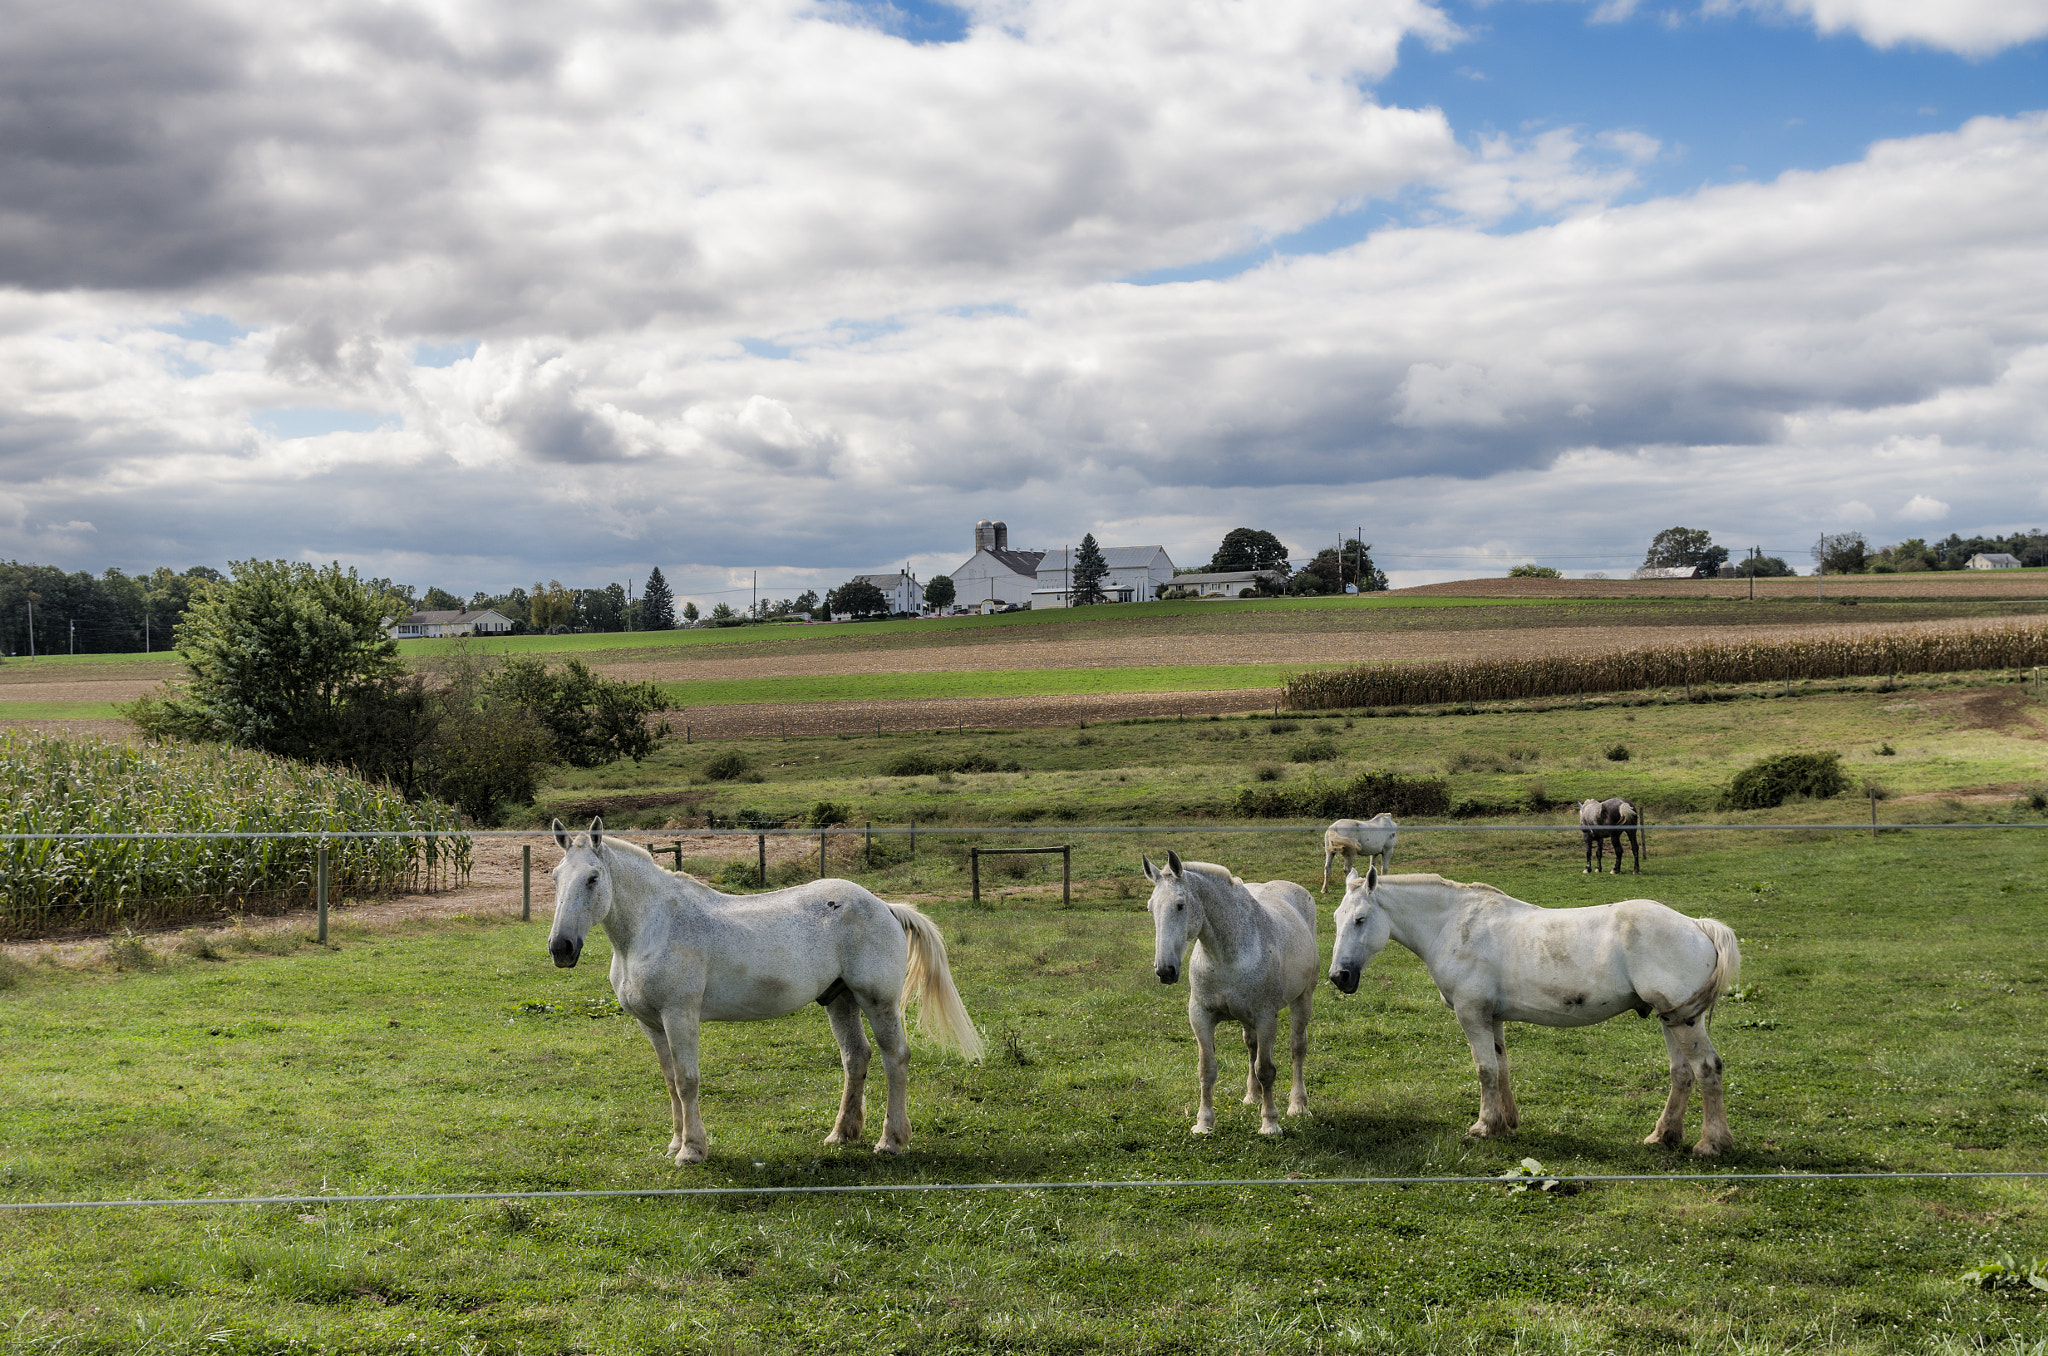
x: 57, y: 710
x: 862, y: 687
x: 1892, y: 1016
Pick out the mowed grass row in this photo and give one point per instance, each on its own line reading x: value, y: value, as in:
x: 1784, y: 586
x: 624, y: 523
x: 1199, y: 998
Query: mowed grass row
x: 1891, y: 1016
x: 935, y: 686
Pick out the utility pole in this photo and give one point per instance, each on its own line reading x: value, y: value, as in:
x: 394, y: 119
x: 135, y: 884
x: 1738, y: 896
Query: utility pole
x: 757, y: 595
x: 74, y: 635
x: 31, y: 628
x: 1755, y: 554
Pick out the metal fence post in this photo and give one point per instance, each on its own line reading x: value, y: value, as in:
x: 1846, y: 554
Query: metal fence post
x: 320, y: 886
x: 867, y: 846
x: 526, y: 882
x: 1873, y: 814
x: 761, y: 842
x: 821, y: 854
x: 974, y: 871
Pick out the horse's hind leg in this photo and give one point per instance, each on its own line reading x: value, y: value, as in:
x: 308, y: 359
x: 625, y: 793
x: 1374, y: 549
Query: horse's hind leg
x: 1705, y: 1065
x: 1670, y: 1129
x: 1328, y: 857
x: 1297, y: 1012
x: 1488, y: 1056
x: 1507, y: 1087
x: 1635, y: 849
x: 887, y: 1022
x: 854, y: 1052
x: 1265, y: 1072
x: 1590, y: 842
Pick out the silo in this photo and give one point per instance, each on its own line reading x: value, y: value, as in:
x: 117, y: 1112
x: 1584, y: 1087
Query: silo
x: 1002, y: 533
x: 984, y: 535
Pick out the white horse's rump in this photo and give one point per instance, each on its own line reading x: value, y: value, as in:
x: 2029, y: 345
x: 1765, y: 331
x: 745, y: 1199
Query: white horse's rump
x: 1606, y: 821
x: 1254, y: 954
x: 683, y: 954
x: 1354, y: 838
x: 1496, y: 959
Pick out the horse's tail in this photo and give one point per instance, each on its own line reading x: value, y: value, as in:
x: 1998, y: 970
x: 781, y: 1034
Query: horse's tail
x: 1727, y: 961
x: 940, y: 1013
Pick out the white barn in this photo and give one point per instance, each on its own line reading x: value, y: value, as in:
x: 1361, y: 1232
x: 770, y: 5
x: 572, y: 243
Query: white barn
x: 997, y: 575
x: 1993, y: 560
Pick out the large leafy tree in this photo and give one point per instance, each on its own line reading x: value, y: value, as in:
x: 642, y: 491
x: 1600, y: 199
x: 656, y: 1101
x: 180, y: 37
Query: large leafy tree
x: 274, y: 655
x: 1089, y: 568
x: 939, y: 592
x: 1357, y: 567
x: 657, y: 605
x: 857, y: 598
x: 1842, y: 553
x: 1684, y: 548
x: 1247, y: 548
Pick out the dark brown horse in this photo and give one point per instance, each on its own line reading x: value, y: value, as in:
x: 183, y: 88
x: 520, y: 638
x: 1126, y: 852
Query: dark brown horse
x: 1605, y: 821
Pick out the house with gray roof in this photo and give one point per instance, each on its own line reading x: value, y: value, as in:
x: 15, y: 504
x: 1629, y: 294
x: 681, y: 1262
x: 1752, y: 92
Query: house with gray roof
x: 460, y: 622
x: 997, y: 574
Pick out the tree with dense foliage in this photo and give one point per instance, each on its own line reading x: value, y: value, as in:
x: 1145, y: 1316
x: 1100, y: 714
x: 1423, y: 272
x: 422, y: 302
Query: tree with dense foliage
x: 1763, y: 567
x: 109, y: 613
x: 939, y: 592
x: 657, y: 604
x: 273, y: 656
x: 550, y: 605
x: 1358, y: 567
x: 1685, y: 548
x: 1084, y: 589
x: 1841, y: 553
x: 857, y: 598
x: 1534, y: 572
x: 690, y: 613
x: 1324, y: 574
x: 439, y: 600
x: 723, y: 615
x: 1246, y: 548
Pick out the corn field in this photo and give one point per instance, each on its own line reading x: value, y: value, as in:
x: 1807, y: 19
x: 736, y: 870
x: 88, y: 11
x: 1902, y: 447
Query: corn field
x: 1752, y: 661
x: 55, y: 785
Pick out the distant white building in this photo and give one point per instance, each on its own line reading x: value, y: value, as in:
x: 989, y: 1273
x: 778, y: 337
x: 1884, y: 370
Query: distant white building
x: 1226, y: 583
x: 902, y: 590
x: 1993, y: 560
x: 996, y: 575
x: 460, y: 622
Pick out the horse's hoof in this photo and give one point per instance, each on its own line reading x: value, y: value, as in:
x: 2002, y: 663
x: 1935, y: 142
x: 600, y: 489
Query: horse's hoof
x: 1481, y: 1130
x: 1706, y: 1150
x: 836, y: 1139
x: 690, y: 1158
x: 1297, y: 1108
x: 1199, y: 1129
x: 885, y: 1147
x: 1658, y: 1140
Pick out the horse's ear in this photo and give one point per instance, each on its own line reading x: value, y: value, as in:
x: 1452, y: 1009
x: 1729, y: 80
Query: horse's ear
x: 561, y: 836
x: 1173, y: 862
x: 1151, y: 871
x: 597, y: 831
x: 1372, y: 878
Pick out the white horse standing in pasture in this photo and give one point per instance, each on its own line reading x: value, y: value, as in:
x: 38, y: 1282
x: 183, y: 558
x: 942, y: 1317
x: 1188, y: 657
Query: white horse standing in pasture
x: 1606, y: 821
x: 1254, y: 954
x: 683, y: 954
x: 1354, y: 838
x: 1496, y: 959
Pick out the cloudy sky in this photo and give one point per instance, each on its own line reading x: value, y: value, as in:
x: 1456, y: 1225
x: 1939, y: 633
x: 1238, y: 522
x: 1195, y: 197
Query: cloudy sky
x: 478, y: 294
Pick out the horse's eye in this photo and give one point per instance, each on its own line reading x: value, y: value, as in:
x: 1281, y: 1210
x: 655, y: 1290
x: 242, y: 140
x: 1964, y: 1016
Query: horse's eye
x: 593, y: 878
x: 1178, y: 906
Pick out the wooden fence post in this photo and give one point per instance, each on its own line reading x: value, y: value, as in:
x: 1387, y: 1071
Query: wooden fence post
x: 913, y: 835
x: 761, y: 842
x: 974, y: 871
x: 821, y: 854
x: 320, y: 887
x: 1067, y: 874
x: 526, y: 882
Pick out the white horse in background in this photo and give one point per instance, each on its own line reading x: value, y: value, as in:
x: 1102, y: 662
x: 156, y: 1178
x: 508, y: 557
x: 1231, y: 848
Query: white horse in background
x: 1496, y: 959
x: 1354, y: 838
x: 1254, y: 954
x: 1606, y: 821
x: 682, y: 954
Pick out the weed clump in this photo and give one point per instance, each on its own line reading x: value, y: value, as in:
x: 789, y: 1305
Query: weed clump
x: 825, y: 813
x: 1769, y: 782
x: 1618, y: 754
x: 1267, y: 772
x: 1363, y: 796
x: 730, y: 766
x: 921, y: 764
x: 1314, y: 751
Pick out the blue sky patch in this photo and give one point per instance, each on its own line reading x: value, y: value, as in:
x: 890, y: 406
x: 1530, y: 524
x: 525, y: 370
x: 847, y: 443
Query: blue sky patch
x: 311, y: 421
x: 443, y: 355
x: 207, y: 329
x: 914, y: 21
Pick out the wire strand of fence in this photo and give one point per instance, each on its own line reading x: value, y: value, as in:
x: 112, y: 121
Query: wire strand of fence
x: 1123, y: 1184
x: 964, y: 830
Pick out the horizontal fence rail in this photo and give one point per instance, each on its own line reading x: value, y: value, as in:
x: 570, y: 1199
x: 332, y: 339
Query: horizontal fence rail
x: 1128, y: 1184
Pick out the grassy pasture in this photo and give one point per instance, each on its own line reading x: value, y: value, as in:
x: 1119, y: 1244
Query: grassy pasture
x: 1947, y: 734
x: 1892, y: 1016
x: 844, y: 687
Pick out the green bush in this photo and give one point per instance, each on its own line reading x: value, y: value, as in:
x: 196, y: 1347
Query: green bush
x: 1618, y: 754
x: 914, y: 764
x: 825, y: 813
x: 729, y: 766
x: 1363, y: 796
x: 1315, y: 751
x: 1767, y: 783
x: 921, y: 764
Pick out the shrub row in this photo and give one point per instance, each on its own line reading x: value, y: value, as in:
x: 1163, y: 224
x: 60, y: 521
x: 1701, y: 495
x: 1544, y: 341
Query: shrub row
x: 920, y: 764
x: 1757, y: 661
x: 54, y: 785
x: 1362, y: 797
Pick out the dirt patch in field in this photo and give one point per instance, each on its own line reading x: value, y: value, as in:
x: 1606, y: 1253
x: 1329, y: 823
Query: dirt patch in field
x: 2007, y: 710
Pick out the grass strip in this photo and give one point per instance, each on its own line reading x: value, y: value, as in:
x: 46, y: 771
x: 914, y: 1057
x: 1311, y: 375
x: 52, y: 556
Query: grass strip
x: 58, y: 711
x: 862, y: 687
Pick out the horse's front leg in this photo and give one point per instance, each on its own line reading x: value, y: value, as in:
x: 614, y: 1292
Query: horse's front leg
x: 1204, y: 1023
x: 1489, y: 1057
x: 659, y: 1041
x: 1297, y: 1012
x: 679, y: 1031
x: 1592, y: 845
x: 854, y: 1053
x: 888, y: 1024
x: 1260, y: 1038
x: 1670, y: 1129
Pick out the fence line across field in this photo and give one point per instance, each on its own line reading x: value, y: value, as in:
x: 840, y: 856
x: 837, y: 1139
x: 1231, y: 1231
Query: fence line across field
x: 1539, y: 1179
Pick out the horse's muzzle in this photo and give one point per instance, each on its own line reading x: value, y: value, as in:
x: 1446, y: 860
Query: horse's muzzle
x: 566, y: 951
x: 1345, y: 980
x: 1167, y: 973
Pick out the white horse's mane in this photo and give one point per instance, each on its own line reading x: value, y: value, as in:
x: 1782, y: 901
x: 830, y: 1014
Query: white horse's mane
x: 1211, y: 869
x: 1431, y: 878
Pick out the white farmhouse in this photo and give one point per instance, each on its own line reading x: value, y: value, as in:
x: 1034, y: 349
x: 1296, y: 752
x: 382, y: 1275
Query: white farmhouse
x: 1993, y: 560
x: 902, y: 590
x: 460, y: 622
x: 996, y: 575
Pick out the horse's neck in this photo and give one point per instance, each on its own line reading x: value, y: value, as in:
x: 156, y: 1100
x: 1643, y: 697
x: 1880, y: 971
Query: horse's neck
x: 639, y: 899
x: 1228, y: 928
x: 1418, y: 913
